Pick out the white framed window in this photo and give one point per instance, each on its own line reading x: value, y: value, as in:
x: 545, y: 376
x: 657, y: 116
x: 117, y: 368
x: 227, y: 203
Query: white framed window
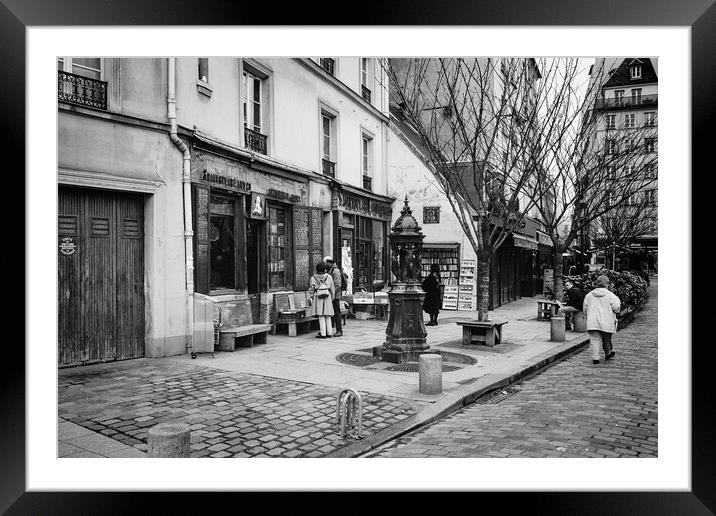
x: 650, y: 119
x: 90, y: 67
x: 366, y: 78
x: 650, y: 196
x: 650, y: 172
x: 367, y: 155
x: 610, y: 146
x: 611, y: 121
x: 203, y: 69
x: 650, y: 144
x: 252, y: 102
x: 629, y: 171
x: 630, y: 144
x: 327, y: 133
x: 611, y: 172
x: 635, y: 72
x: 630, y: 120
x: 618, y: 96
x: 329, y: 141
x: 636, y: 96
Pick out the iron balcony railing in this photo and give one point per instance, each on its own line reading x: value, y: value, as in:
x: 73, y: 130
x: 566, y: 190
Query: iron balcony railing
x: 329, y: 168
x: 627, y: 102
x: 255, y: 140
x: 328, y: 64
x: 367, y: 183
x: 365, y: 93
x: 80, y: 90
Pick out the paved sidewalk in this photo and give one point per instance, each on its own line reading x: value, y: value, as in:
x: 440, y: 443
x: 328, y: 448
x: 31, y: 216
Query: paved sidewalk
x: 279, y: 399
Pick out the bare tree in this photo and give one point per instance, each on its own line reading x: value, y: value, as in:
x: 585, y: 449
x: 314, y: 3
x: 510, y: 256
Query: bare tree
x: 619, y: 228
x: 586, y: 164
x: 476, y: 121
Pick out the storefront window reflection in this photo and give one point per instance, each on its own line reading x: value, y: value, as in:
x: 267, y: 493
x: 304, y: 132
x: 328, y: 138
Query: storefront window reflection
x: 221, y: 236
x: 378, y: 250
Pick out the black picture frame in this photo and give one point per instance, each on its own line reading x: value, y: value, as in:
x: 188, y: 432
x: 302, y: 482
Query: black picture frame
x: 700, y: 15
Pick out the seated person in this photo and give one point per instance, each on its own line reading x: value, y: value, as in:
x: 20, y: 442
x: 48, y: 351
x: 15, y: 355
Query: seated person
x: 575, y: 301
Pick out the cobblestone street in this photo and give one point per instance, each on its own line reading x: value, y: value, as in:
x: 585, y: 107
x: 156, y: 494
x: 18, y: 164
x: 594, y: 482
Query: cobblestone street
x: 572, y: 409
x: 230, y: 414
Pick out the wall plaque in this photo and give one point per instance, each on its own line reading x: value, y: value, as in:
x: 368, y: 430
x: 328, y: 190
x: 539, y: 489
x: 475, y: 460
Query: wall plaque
x: 68, y: 246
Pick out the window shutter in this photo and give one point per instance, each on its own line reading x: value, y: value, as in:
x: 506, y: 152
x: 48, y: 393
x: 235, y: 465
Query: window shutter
x: 200, y: 208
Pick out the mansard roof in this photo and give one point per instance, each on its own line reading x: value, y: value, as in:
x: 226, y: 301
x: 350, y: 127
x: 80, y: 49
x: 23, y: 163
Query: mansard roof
x: 622, y: 75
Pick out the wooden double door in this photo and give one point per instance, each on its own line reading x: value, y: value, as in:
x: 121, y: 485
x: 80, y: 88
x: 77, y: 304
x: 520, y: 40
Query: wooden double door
x: 100, y: 276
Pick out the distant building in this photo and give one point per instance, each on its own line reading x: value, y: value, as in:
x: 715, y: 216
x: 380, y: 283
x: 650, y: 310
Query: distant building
x: 625, y: 117
x: 227, y: 177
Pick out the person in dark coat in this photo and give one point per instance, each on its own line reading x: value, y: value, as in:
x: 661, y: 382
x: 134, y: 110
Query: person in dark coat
x: 575, y: 301
x: 433, y: 301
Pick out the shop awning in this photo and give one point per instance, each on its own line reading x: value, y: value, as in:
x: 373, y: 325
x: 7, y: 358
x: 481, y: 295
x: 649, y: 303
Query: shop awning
x: 441, y: 245
x: 525, y: 241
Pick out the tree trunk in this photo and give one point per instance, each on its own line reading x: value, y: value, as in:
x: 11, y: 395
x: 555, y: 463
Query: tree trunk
x: 483, y: 288
x: 558, y: 279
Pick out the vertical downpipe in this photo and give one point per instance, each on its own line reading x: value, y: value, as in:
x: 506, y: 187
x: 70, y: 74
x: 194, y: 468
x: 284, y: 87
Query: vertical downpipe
x: 186, y: 188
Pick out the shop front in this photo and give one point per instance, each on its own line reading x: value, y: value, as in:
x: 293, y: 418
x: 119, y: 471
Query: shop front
x: 360, y: 226
x: 254, y: 233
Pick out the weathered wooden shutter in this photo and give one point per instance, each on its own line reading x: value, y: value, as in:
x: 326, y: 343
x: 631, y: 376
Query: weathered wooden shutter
x: 307, y: 244
x: 200, y: 208
x: 316, y: 237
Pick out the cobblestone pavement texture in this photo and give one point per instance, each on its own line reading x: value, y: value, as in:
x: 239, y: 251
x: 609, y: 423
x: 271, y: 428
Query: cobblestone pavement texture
x: 571, y: 409
x: 230, y: 414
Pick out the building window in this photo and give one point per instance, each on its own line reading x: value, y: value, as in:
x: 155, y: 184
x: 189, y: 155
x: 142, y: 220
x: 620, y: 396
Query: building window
x: 619, y: 97
x: 650, y: 119
x: 328, y: 64
x: 366, y: 82
x: 650, y: 172
x: 636, y: 96
x: 431, y: 215
x: 610, y: 146
x: 650, y: 196
x: 611, y: 121
x: 328, y: 143
x: 277, y: 247
x: 630, y: 120
x: 650, y: 145
x: 611, y: 172
x: 203, y: 74
x: 79, y: 82
x: 254, y: 132
x: 222, y: 252
x: 636, y: 72
x: 367, y: 161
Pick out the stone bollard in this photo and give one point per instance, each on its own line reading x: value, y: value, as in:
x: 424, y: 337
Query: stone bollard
x: 556, y: 328
x: 431, y: 373
x: 579, y: 322
x: 168, y: 440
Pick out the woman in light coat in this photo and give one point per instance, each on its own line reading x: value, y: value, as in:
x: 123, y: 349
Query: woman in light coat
x: 322, y: 306
x: 601, y: 306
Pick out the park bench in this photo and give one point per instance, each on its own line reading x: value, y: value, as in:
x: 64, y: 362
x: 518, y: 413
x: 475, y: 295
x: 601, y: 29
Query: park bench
x: 291, y: 309
x: 481, y: 332
x: 238, y: 328
x: 546, y: 309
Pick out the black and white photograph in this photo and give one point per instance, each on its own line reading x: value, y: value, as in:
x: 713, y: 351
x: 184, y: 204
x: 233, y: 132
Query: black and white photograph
x: 436, y: 250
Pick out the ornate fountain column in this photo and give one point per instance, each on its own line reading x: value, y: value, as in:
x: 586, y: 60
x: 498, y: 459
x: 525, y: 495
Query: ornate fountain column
x: 405, y: 334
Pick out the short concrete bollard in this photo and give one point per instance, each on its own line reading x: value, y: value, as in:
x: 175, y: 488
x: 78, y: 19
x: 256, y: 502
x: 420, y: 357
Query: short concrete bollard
x: 431, y: 373
x: 168, y: 440
x: 556, y: 328
x: 579, y: 322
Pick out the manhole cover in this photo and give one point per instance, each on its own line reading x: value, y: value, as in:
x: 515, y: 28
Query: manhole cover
x: 355, y: 359
x: 497, y: 396
x: 457, y: 358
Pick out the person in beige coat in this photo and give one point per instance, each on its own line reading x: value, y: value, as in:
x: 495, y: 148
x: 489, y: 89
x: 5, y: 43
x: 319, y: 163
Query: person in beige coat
x: 322, y: 292
x: 601, y: 306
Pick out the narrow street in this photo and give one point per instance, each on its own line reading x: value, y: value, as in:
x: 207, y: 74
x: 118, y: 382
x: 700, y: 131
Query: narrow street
x: 572, y: 409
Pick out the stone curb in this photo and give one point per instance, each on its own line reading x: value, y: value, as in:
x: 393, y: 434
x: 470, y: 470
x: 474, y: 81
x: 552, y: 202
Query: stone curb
x: 459, y: 399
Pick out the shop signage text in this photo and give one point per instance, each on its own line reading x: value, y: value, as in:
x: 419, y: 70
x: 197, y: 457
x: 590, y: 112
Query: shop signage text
x: 277, y: 194
x: 229, y: 182
x: 364, y: 205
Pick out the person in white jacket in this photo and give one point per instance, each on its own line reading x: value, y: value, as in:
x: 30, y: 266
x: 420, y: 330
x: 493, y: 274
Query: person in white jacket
x: 601, y: 306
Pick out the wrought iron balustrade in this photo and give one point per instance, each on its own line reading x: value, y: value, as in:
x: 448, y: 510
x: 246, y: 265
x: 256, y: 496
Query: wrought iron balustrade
x: 329, y: 168
x: 367, y: 183
x: 627, y: 102
x: 80, y: 90
x: 365, y: 93
x: 255, y: 140
x: 328, y: 64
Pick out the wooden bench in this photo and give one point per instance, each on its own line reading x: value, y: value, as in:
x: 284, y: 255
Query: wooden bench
x: 481, y: 332
x: 238, y: 326
x: 546, y: 309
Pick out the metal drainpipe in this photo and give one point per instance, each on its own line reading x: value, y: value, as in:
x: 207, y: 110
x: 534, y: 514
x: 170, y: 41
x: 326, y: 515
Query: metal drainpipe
x: 186, y: 184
